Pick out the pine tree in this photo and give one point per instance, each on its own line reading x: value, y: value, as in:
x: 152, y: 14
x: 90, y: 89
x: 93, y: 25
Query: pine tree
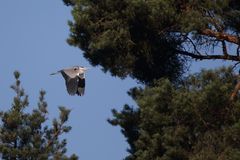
x: 194, y: 120
x: 118, y: 36
x: 154, y: 39
x: 25, y: 135
x: 150, y: 39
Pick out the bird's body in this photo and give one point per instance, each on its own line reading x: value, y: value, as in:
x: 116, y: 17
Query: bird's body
x: 74, y: 79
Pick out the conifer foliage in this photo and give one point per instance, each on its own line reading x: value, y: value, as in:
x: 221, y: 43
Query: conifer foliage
x: 150, y: 39
x: 194, y: 120
x: 25, y: 135
x: 121, y: 37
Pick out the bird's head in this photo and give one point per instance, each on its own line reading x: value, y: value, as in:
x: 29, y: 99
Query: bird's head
x: 80, y: 69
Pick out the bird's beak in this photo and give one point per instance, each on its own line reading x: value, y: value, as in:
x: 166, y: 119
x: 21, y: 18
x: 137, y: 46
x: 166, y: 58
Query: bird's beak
x: 86, y: 68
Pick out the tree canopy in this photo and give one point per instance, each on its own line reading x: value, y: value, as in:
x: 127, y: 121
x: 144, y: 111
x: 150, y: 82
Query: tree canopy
x: 153, y: 41
x: 194, y: 120
x: 26, y: 136
x: 150, y: 39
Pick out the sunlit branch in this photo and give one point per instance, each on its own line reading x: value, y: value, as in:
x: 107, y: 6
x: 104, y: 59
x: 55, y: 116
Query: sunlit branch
x: 220, y: 36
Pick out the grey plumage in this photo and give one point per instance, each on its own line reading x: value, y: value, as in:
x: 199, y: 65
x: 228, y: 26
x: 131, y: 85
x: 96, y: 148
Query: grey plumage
x: 74, y: 79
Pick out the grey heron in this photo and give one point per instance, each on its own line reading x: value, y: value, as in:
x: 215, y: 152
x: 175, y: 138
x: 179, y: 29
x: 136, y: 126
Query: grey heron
x: 74, y: 79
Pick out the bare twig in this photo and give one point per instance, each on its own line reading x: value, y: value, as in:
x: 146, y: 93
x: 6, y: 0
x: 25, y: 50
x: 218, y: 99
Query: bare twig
x: 238, y: 50
x: 194, y: 46
x: 213, y: 57
x: 224, y: 48
x: 235, y: 65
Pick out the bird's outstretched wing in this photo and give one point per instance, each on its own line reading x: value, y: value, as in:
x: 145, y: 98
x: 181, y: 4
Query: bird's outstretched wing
x: 70, y: 72
x: 72, y: 86
x: 71, y: 83
x: 81, y: 86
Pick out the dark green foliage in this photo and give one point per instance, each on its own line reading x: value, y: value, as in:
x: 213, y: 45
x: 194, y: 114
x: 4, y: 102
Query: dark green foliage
x: 25, y: 136
x: 194, y: 120
x: 128, y: 119
x: 150, y: 39
x: 122, y: 37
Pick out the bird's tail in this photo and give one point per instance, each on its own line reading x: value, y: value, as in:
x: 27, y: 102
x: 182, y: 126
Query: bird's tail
x: 55, y: 73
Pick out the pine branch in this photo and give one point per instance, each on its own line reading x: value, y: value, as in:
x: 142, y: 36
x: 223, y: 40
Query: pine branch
x: 213, y: 57
x: 235, y: 91
x: 55, y: 135
x: 215, y: 22
x: 220, y: 36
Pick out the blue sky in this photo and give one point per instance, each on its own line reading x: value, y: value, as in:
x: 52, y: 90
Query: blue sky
x: 33, y: 40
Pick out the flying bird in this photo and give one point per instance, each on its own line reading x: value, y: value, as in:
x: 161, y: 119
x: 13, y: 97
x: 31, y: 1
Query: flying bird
x: 74, y: 79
